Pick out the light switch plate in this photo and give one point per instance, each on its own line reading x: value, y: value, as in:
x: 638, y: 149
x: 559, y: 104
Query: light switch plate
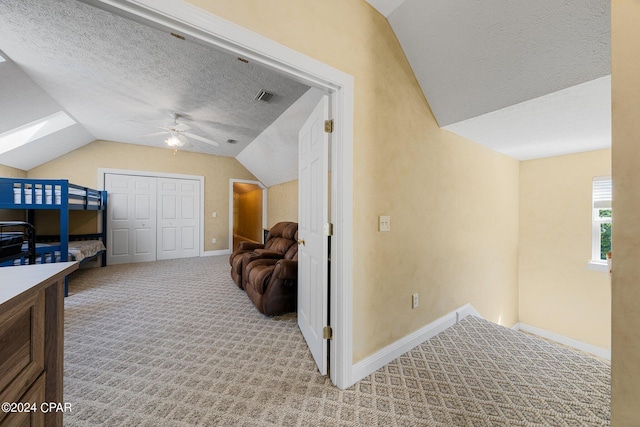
x: 384, y: 223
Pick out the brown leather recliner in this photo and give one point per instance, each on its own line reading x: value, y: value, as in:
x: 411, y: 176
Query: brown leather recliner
x: 280, y: 238
x: 272, y: 283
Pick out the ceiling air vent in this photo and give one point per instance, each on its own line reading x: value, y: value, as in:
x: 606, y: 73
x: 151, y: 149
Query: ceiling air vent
x: 263, y: 95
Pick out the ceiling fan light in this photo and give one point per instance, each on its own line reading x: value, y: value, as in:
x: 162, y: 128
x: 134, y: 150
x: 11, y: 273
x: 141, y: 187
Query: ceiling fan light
x: 173, y: 140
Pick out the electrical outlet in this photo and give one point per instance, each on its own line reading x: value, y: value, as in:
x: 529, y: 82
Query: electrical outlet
x: 384, y: 223
x: 214, y: 240
x: 414, y: 301
x: 214, y: 214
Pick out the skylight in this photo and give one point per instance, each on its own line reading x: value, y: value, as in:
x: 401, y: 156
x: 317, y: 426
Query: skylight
x: 31, y: 131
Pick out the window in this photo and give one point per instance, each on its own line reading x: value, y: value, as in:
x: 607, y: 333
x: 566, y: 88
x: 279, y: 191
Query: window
x: 31, y: 131
x: 601, y: 219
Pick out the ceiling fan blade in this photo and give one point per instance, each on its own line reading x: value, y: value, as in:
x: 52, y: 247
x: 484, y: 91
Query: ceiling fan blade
x: 154, y: 134
x: 147, y: 124
x: 199, y: 138
x: 180, y: 127
x: 183, y: 140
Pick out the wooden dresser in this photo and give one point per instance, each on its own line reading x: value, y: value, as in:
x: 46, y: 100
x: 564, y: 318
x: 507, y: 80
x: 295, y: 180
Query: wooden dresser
x: 32, y: 343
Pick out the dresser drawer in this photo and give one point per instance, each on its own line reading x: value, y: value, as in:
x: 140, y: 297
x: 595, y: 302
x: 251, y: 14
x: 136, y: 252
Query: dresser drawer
x: 34, y: 417
x: 22, y: 333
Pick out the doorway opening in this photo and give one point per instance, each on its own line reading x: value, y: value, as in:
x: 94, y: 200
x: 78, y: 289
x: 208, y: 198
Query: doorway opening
x: 216, y: 32
x: 248, y: 203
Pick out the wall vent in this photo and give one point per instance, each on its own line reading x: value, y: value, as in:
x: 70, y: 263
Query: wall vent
x: 263, y: 95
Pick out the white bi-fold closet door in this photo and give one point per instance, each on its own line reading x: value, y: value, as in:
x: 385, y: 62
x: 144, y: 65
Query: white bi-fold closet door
x: 152, y: 218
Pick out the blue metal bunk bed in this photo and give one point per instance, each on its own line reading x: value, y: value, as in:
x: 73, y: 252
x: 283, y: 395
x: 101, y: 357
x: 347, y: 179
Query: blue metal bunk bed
x: 17, y: 242
x: 55, y: 194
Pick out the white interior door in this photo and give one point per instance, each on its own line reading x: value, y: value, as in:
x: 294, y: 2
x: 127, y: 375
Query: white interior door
x: 131, y: 218
x: 178, y: 218
x: 313, y: 189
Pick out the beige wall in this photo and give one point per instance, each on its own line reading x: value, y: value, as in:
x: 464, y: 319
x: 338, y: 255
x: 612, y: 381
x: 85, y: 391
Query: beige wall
x: 625, y: 91
x: 282, y: 203
x: 453, y: 203
x: 9, y: 172
x: 81, y: 167
x: 557, y: 291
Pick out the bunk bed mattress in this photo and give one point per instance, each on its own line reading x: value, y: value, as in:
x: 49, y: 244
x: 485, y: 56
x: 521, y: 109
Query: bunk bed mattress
x: 10, y: 245
x: 50, y: 197
x: 78, y: 250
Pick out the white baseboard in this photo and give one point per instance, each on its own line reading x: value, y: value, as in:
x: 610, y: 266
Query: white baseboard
x: 218, y: 252
x: 579, y: 345
x: 377, y: 360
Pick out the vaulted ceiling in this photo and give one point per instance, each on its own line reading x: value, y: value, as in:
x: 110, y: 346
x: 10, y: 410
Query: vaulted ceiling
x: 527, y: 78
x: 111, y: 78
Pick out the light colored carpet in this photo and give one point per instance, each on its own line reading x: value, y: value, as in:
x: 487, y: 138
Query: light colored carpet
x: 176, y: 343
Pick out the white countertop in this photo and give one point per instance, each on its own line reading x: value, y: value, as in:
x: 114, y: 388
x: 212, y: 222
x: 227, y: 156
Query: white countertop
x: 15, y: 280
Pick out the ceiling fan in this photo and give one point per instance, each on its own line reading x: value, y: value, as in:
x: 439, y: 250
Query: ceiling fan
x: 178, y: 134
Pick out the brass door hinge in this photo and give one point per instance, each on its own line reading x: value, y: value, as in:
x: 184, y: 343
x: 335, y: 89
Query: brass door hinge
x: 328, y: 126
x: 327, y: 333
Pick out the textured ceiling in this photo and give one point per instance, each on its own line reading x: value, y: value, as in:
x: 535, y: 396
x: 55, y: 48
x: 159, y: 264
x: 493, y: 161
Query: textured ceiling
x: 121, y: 80
x: 479, y: 58
x: 275, y: 150
x: 492, y: 71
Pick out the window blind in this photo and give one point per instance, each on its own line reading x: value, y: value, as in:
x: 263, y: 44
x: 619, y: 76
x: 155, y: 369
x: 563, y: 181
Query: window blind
x: 602, y: 191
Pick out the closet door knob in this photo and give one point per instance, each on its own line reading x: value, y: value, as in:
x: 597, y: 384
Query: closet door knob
x: 301, y: 242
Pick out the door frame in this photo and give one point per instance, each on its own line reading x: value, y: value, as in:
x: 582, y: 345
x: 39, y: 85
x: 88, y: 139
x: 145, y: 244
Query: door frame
x: 201, y: 26
x: 103, y: 171
x: 264, y: 205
